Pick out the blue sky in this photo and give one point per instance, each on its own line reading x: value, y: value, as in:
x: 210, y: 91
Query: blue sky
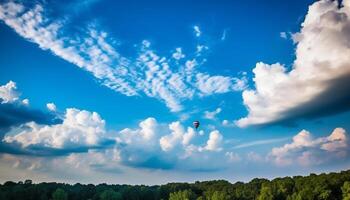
x: 113, y: 87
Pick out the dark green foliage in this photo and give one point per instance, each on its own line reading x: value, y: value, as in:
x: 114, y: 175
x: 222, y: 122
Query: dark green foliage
x: 333, y: 186
x: 59, y: 194
x: 110, y: 195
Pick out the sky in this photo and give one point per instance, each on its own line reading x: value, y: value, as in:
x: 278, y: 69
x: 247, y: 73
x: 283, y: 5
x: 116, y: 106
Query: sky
x: 102, y: 91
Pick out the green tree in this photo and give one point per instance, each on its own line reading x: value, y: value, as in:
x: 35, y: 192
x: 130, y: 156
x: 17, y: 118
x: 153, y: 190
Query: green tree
x: 110, y: 195
x: 265, y: 193
x: 346, y: 190
x: 59, y: 194
x: 183, y: 195
x: 325, y: 195
x: 219, y: 195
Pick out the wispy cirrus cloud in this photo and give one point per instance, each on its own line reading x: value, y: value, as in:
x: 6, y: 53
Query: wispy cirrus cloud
x: 212, y: 114
x: 172, y: 80
x: 259, y: 142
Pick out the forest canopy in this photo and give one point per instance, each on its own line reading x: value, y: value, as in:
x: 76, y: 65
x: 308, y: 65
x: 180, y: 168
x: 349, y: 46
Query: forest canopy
x: 330, y: 186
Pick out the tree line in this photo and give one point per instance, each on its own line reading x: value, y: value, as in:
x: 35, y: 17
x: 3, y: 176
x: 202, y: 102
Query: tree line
x: 332, y: 186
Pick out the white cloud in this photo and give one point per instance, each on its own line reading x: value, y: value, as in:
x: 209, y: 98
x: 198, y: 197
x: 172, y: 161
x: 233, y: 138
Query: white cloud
x: 174, y: 86
x: 212, y: 115
x: 188, y: 136
x: 197, y: 31
x: 225, y: 122
x: 51, y: 107
x: 93, y: 50
x: 171, y: 144
x: 214, y: 142
x: 25, y: 102
x: 177, y: 136
x: 79, y: 128
x: 306, y: 150
x: 8, y: 92
x: 283, y: 35
x: 322, y: 63
x: 233, y: 157
x: 218, y: 84
x: 177, y: 55
x: 145, y: 136
x: 201, y: 48
x: 259, y: 142
x: 228, y: 123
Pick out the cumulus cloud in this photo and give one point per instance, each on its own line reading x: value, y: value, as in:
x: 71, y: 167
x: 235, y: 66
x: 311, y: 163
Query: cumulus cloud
x: 151, y: 145
x: 307, y: 150
x: 177, y: 136
x: 165, y: 146
x: 212, y: 114
x: 318, y: 83
x: 94, y: 51
x: 15, y: 111
x: 143, y: 136
x: 8, y: 92
x: 79, y: 128
x: 214, y: 142
x: 51, y: 107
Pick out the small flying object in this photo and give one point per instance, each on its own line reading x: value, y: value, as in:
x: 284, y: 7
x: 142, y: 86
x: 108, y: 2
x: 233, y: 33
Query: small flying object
x: 196, y: 124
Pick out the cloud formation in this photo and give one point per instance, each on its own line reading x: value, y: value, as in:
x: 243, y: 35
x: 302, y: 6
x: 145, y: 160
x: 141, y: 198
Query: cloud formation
x: 214, y: 142
x: 79, y: 128
x: 168, y: 147
x: 212, y: 114
x: 152, y: 145
x: 306, y: 150
x: 171, y: 79
x: 197, y: 31
x: 8, y: 93
x: 177, y: 136
x: 51, y: 107
x: 319, y: 80
x: 15, y: 111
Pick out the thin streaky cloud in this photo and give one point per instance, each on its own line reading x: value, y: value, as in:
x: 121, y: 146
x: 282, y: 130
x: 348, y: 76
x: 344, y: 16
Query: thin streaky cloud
x: 260, y: 142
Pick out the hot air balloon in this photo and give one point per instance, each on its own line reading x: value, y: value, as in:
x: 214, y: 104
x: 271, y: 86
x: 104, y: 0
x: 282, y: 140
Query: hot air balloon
x: 196, y: 124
